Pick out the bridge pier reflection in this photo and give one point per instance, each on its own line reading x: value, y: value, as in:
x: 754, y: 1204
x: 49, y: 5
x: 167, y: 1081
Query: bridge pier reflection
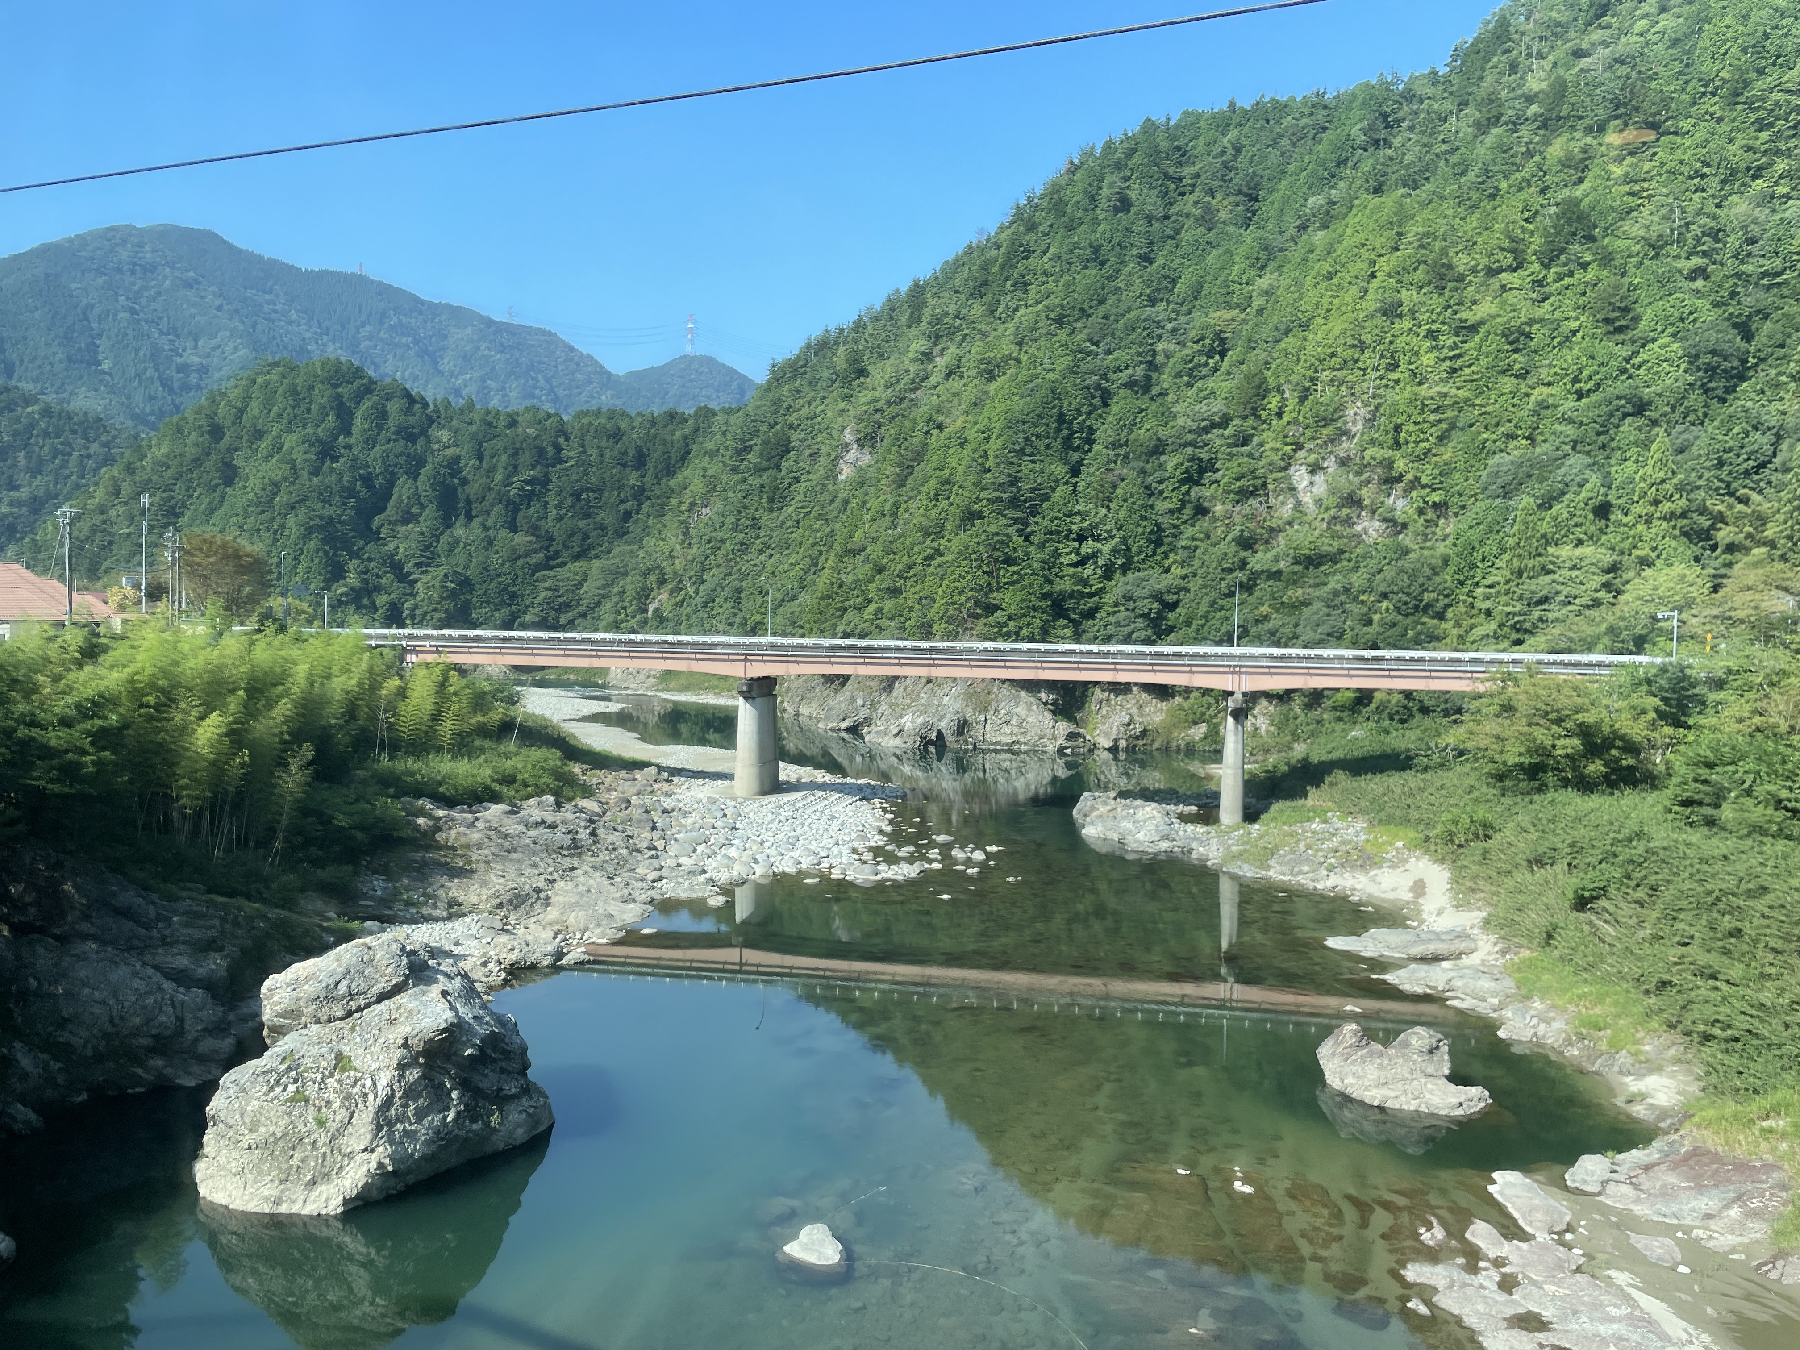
x: 1228, y: 923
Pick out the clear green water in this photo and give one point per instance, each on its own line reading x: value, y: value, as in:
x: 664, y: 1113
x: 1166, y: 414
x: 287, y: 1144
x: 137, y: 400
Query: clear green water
x: 1004, y: 1176
x: 699, y: 1124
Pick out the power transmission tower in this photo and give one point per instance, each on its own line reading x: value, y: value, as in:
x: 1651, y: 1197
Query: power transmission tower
x: 690, y: 344
x: 65, y: 522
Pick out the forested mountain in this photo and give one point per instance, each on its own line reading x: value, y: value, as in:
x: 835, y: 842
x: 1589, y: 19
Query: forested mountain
x: 1499, y: 354
x: 47, y: 454
x: 135, y: 324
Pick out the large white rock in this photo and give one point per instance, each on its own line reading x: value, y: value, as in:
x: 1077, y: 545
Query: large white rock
x: 816, y: 1247
x: 385, y: 1067
x: 1412, y: 1074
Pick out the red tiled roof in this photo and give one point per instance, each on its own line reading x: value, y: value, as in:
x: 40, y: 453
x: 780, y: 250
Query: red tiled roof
x: 25, y: 595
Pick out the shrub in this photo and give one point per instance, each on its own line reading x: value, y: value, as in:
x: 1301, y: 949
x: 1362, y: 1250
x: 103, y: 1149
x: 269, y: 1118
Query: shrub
x: 1533, y: 731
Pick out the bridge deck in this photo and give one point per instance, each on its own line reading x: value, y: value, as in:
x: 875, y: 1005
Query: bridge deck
x: 1226, y: 668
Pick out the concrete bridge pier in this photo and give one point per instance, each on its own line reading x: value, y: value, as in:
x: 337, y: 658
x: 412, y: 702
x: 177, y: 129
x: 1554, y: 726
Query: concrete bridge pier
x: 1231, y: 768
x: 758, y: 760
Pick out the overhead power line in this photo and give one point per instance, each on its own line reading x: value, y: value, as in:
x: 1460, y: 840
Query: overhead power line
x: 1239, y: 12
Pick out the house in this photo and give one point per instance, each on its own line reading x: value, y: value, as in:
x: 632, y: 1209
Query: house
x: 26, y: 597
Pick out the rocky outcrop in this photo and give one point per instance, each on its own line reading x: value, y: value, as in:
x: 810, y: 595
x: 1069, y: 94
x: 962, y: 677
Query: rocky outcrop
x: 915, y: 713
x: 1412, y: 1074
x: 1724, y: 1202
x: 106, y: 987
x: 1124, y: 716
x: 385, y: 1066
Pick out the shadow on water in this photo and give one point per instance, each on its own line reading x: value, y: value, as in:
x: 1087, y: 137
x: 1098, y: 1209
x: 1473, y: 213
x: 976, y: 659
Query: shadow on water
x: 100, y: 1203
x: 103, y: 1207
x: 356, y: 1281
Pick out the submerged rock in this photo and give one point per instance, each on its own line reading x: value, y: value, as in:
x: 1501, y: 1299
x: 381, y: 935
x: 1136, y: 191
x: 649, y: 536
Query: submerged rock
x: 8, y: 1250
x: 1535, y: 1209
x: 1410, y: 1075
x: 1409, y: 944
x: 375, y: 1079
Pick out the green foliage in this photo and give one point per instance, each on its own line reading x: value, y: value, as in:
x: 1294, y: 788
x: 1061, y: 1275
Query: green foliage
x: 47, y: 454
x: 136, y: 324
x: 1532, y: 731
x: 1623, y: 903
x: 1326, y: 347
x: 256, y: 763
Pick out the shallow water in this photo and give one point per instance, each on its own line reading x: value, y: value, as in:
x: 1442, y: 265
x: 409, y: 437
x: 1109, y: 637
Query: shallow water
x: 1004, y: 1174
x: 700, y: 1123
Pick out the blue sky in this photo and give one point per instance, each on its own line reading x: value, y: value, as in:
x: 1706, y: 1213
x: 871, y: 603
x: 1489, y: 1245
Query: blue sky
x: 769, y: 215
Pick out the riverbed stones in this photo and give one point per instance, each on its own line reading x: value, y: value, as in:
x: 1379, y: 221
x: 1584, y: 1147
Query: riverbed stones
x: 358, y: 1099
x: 1660, y: 1251
x: 1411, y: 1074
x: 1409, y: 944
x: 1726, y: 1201
x: 816, y: 1252
x: 1536, y: 1210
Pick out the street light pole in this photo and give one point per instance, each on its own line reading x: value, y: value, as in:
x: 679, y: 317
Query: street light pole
x: 144, y: 558
x: 1675, y: 643
x: 1237, y: 591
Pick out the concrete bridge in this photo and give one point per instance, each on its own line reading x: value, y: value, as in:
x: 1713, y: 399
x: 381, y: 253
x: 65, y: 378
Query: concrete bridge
x: 756, y: 662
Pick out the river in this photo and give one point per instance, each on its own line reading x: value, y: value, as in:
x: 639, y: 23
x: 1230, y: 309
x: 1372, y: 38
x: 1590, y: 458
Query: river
x: 1004, y: 1172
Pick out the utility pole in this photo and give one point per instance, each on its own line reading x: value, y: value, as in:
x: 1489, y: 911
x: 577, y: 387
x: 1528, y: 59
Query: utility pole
x: 1675, y: 643
x: 65, y: 521
x: 327, y: 595
x: 169, y: 558
x: 144, y: 558
x: 1237, y: 591
x: 284, y: 589
x: 771, y: 611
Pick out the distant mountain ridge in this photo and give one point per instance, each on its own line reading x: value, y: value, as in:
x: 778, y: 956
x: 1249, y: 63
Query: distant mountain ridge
x: 136, y: 323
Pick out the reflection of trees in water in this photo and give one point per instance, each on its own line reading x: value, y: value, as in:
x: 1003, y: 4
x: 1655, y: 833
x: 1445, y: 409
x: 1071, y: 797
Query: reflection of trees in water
x: 356, y: 1281
x: 1092, y: 1116
x: 967, y: 779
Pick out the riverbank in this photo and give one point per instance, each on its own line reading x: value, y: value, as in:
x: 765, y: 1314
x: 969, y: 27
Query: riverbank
x: 1681, y: 1190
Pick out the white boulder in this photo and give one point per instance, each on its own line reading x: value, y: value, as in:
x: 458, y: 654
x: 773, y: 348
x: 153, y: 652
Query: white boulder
x: 385, y: 1067
x: 1412, y: 1074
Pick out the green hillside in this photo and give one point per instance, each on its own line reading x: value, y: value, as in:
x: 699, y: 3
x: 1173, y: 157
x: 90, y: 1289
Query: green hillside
x: 136, y: 324
x: 1500, y: 354
x: 48, y: 453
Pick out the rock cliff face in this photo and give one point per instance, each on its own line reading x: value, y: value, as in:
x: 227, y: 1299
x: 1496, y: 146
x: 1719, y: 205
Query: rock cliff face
x: 924, y: 713
x: 385, y: 1066
x: 105, y: 987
